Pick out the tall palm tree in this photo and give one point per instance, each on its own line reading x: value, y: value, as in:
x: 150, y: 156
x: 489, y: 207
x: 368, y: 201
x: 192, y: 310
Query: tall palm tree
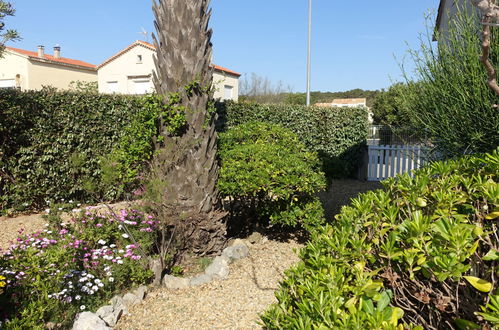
x: 187, y: 165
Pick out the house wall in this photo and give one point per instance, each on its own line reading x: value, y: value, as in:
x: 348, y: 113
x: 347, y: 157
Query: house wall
x: 12, y: 65
x: 450, y: 9
x: 125, y: 70
x: 47, y: 74
x: 220, y: 80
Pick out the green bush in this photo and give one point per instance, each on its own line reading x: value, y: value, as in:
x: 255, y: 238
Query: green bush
x: 52, y: 275
x: 423, y: 252
x: 448, y: 97
x: 74, y: 145
x: 271, y: 174
x: 336, y: 134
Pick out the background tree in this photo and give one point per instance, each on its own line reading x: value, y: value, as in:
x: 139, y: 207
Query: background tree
x: 6, y: 9
x: 391, y: 107
x: 185, y: 169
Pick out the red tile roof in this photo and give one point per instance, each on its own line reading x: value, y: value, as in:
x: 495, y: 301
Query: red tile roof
x: 150, y: 46
x: 50, y: 58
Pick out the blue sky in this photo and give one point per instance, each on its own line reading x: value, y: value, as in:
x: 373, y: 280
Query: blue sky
x: 354, y: 42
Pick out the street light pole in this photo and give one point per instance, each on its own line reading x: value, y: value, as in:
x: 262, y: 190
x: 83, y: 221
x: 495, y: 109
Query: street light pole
x: 309, y: 49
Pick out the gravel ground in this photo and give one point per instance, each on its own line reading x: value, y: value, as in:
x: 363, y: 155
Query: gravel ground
x: 11, y: 226
x: 233, y: 303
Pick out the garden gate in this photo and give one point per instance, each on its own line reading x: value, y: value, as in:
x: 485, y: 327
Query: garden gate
x: 386, y: 161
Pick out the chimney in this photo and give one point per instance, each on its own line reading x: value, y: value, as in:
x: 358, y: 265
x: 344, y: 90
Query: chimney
x: 57, y: 51
x: 41, y: 51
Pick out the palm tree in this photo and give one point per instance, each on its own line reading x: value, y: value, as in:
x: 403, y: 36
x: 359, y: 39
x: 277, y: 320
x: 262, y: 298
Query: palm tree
x: 187, y: 166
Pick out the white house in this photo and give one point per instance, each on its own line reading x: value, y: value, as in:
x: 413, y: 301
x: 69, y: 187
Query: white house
x: 130, y: 72
x: 30, y: 70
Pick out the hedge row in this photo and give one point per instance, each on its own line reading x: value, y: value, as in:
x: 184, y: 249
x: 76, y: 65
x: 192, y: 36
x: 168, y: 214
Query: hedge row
x: 423, y: 253
x: 336, y: 134
x: 53, y: 144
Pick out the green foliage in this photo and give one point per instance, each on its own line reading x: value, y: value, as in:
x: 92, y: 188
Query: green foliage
x: 71, y: 267
x: 336, y: 134
x: 399, y: 256
x: 449, y: 98
x: 6, y: 9
x: 391, y: 107
x: 272, y: 174
x: 74, y: 145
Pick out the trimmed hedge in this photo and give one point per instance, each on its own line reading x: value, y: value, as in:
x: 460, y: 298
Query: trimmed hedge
x: 423, y: 252
x: 271, y: 175
x: 336, y: 134
x: 54, y: 144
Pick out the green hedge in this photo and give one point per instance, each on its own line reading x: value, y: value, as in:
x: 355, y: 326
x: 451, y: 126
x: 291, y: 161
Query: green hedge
x: 55, y: 145
x: 336, y: 134
x: 423, y: 252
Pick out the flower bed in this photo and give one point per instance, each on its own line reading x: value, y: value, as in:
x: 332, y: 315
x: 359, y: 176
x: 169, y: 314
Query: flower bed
x: 50, y: 276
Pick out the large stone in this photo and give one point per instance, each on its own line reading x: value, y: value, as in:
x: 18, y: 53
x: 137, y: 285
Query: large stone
x: 89, y: 321
x: 130, y: 299
x: 238, y: 241
x: 119, y: 305
x: 140, y: 292
x: 219, y: 268
x: 200, y: 280
x: 236, y: 252
x: 175, y: 283
x: 110, y: 315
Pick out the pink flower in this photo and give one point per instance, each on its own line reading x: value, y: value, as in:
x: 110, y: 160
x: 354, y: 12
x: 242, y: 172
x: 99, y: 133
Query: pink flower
x: 98, y: 225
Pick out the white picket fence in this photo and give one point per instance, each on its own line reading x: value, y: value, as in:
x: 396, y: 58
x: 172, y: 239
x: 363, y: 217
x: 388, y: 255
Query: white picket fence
x: 387, y: 161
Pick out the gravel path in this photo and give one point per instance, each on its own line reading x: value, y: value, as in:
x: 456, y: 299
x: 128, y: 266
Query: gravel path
x: 233, y: 303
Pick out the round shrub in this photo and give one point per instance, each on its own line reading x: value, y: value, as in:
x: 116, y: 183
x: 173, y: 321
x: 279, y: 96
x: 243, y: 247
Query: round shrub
x: 271, y: 174
x: 421, y: 253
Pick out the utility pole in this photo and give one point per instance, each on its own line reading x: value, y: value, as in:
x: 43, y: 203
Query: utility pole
x: 309, y: 49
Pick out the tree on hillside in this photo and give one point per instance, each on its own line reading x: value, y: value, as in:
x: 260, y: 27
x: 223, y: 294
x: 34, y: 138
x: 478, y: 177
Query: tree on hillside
x: 6, y: 9
x: 185, y: 167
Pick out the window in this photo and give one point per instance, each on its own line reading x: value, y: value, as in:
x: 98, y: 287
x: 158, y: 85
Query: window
x: 139, y: 59
x: 7, y: 83
x: 142, y: 86
x: 228, y: 92
x: 112, y: 87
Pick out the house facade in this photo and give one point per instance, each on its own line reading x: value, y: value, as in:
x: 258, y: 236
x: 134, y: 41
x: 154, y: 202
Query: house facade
x: 29, y: 70
x: 130, y: 72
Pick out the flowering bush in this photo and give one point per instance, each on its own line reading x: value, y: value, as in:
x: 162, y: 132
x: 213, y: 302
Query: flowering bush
x: 70, y: 267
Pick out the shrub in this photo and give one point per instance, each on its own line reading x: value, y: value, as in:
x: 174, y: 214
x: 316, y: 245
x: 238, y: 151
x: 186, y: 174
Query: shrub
x: 72, y: 145
x: 54, y: 274
x: 336, y: 134
x: 272, y: 174
x: 423, y: 252
x: 448, y: 97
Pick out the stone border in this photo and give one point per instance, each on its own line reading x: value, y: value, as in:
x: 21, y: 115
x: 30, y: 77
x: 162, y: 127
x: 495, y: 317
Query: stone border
x: 107, y: 317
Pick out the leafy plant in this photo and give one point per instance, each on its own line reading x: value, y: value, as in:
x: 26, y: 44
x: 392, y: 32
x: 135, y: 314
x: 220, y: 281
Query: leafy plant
x: 448, y: 97
x: 268, y: 171
x: 425, y: 246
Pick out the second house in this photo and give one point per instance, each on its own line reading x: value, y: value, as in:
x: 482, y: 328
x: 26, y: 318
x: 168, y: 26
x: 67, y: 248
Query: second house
x: 130, y: 72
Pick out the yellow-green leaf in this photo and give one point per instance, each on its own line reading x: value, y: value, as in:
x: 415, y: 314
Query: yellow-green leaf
x: 492, y: 216
x: 479, y: 284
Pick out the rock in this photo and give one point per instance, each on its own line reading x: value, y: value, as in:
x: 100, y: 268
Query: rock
x: 157, y: 267
x: 175, y: 283
x: 129, y: 299
x: 236, y: 252
x: 200, y: 280
x: 140, y: 292
x: 109, y: 314
x: 255, y: 238
x: 219, y: 268
x: 118, y: 304
x: 89, y: 321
